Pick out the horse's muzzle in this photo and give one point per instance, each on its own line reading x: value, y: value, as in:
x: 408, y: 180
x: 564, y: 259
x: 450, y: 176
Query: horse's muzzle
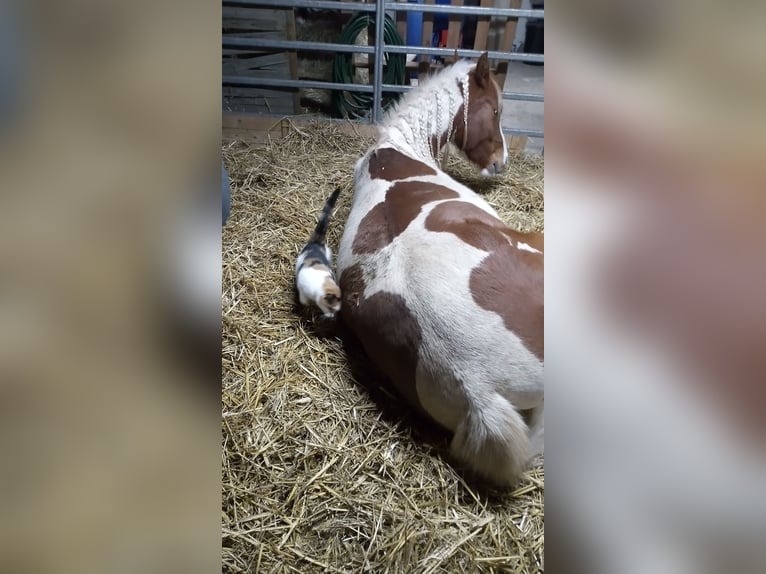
x: 493, y: 169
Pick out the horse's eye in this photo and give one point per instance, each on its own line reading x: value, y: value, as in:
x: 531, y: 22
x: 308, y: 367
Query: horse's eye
x: 495, y: 112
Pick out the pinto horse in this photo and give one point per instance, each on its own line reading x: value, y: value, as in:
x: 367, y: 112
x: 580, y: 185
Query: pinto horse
x: 447, y: 300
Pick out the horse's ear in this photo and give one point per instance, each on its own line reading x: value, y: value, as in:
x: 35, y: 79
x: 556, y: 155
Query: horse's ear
x: 482, y: 71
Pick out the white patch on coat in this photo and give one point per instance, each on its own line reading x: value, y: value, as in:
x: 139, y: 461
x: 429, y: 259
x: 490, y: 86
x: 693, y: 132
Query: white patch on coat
x: 523, y: 246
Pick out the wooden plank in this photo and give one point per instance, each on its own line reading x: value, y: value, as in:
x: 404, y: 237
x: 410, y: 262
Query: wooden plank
x: 507, y: 44
x: 292, y: 59
x: 236, y: 26
x: 428, y: 32
x: 240, y: 68
x: 260, y: 98
x: 401, y: 23
x: 453, y: 31
x: 251, y: 91
x: 240, y: 27
x: 231, y: 55
x: 270, y: 18
x: 256, y: 66
x: 257, y: 101
x: 257, y: 108
x: 262, y: 59
x: 263, y: 34
x: 482, y: 28
x: 510, y: 29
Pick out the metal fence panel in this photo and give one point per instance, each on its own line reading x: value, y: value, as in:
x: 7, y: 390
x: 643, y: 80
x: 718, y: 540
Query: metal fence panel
x: 378, y: 50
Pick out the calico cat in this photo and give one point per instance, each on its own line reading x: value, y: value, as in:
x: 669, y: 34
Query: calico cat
x: 314, y: 278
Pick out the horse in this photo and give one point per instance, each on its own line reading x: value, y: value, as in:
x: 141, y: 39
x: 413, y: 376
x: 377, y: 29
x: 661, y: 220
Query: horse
x: 446, y: 300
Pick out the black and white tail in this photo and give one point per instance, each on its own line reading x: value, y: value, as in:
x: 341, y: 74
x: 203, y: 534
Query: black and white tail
x: 324, y: 219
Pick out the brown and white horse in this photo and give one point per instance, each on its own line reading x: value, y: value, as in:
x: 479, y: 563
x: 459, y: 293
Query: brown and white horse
x: 445, y: 298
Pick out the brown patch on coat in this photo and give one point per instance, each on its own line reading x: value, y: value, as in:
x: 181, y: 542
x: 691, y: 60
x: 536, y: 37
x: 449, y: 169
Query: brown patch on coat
x: 510, y: 284
x: 392, y: 165
x: 405, y: 199
x: 390, y: 218
x: 509, y: 281
x: 483, y: 143
x: 373, y: 233
x: 386, y: 329
x: 470, y: 223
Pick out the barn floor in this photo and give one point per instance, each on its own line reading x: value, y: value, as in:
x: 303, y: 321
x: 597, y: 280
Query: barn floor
x: 323, y: 469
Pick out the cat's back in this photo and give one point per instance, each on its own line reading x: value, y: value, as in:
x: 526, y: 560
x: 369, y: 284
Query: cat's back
x: 314, y: 255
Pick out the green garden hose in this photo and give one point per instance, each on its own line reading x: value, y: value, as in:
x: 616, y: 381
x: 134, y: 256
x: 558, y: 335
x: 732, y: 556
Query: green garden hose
x: 358, y: 104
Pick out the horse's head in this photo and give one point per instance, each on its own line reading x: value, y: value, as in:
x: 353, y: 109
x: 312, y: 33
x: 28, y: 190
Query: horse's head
x: 478, y: 132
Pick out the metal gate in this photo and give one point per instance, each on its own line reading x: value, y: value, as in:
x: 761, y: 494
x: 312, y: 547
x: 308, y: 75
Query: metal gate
x: 378, y: 50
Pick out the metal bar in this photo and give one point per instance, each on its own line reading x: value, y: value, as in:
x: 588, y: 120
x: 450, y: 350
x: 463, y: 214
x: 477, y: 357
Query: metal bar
x: 523, y: 97
x: 395, y: 6
x: 234, y: 42
x: 464, y: 53
x: 380, y: 18
x: 517, y: 96
x: 247, y: 81
x: 320, y: 4
x: 524, y: 132
x: 472, y: 10
x: 318, y: 84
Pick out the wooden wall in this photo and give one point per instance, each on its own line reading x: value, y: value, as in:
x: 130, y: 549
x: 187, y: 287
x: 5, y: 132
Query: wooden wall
x: 258, y: 23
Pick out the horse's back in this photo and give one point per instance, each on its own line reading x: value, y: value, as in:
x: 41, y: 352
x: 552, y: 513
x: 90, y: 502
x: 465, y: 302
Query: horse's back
x: 443, y: 253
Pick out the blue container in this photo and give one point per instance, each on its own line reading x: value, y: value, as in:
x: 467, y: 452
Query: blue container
x: 414, y: 25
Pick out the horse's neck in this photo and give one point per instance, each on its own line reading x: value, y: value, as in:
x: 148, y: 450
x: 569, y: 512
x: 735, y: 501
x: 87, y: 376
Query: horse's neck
x: 412, y: 127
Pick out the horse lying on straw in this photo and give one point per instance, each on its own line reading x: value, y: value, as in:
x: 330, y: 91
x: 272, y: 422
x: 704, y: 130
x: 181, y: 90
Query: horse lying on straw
x: 446, y: 299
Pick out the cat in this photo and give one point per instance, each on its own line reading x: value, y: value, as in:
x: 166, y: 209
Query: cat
x: 314, y: 278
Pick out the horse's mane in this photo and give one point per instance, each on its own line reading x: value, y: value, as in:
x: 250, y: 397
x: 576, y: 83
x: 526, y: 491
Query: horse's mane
x: 446, y: 78
x: 427, y: 111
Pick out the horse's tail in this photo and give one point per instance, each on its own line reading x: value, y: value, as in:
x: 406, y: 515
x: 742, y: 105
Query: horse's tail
x: 493, y: 440
x: 324, y: 219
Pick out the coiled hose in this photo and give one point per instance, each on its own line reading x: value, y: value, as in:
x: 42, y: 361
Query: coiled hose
x: 358, y: 104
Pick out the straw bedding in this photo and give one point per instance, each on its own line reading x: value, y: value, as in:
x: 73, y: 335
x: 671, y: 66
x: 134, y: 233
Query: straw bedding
x: 324, y: 469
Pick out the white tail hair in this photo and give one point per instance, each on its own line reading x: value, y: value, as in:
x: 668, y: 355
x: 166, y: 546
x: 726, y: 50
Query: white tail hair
x: 492, y: 439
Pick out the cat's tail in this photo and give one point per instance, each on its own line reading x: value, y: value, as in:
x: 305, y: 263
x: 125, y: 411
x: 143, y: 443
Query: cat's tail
x: 324, y: 219
x: 492, y: 439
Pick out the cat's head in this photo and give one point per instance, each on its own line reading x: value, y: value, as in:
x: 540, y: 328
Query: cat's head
x: 329, y: 303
